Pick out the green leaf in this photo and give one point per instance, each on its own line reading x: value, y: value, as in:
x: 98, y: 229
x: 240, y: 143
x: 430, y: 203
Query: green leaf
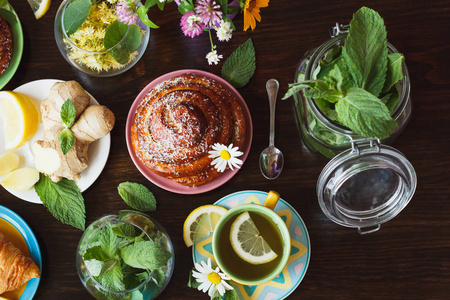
x: 232, y: 9
x: 114, y: 34
x: 185, y: 6
x: 159, y: 277
x: 96, y: 253
x: 75, y: 15
x: 94, y: 266
x: 145, y: 255
x: 394, y: 70
x: 142, y: 13
x: 137, y: 295
x: 68, y: 113
x: 66, y: 140
x: 223, y: 6
x: 9, y: 16
x: 108, y: 241
x: 365, y: 50
x: 192, y: 282
x: 391, y: 99
x: 124, y: 230
x: 111, y: 276
x: 297, y: 87
x: 365, y: 114
x: 240, y: 66
x: 137, y: 196
x: 326, y: 91
x: 63, y: 199
x: 230, y: 295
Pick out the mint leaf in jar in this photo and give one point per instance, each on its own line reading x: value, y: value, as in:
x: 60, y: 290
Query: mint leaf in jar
x: 145, y: 255
x: 115, y: 33
x: 75, y: 15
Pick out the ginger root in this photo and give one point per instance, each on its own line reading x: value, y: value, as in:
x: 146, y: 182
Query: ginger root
x: 94, y: 122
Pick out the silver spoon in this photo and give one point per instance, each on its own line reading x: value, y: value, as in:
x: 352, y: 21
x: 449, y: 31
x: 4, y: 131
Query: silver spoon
x: 271, y: 159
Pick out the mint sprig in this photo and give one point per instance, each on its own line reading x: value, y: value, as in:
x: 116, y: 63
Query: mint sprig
x: 356, y: 84
x: 63, y: 199
x: 240, y: 65
x: 66, y: 137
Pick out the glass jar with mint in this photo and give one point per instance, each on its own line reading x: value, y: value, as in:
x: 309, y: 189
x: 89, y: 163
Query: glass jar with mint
x: 352, y: 97
x: 126, y: 255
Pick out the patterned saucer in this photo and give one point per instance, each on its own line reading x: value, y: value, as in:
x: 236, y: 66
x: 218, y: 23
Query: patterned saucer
x: 285, y: 283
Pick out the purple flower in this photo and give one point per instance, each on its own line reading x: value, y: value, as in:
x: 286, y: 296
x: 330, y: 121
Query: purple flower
x: 191, y: 25
x: 126, y: 12
x: 209, y: 12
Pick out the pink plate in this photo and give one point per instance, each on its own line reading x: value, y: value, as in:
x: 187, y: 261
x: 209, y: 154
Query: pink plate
x: 168, y: 184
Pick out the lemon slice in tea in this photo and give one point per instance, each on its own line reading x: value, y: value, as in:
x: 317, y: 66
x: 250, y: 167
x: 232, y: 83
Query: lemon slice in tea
x: 248, y: 243
x: 201, y: 223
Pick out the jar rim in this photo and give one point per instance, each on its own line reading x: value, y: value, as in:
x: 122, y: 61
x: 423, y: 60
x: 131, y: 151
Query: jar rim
x: 318, y: 54
x: 72, y: 44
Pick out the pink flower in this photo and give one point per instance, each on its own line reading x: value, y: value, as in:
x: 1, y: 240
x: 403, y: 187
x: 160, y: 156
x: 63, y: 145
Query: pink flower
x: 126, y: 12
x: 209, y: 12
x: 191, y: 25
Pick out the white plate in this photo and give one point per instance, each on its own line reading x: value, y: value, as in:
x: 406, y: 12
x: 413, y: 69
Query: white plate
x: 98, y: 151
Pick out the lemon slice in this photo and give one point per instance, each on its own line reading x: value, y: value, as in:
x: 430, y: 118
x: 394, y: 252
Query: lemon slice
x: 248, y: 243
x: 21, y: 118
x: 201, y: 223
x: 39, y: 7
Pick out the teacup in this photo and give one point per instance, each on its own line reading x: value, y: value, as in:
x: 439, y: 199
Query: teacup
x: 271, y: 227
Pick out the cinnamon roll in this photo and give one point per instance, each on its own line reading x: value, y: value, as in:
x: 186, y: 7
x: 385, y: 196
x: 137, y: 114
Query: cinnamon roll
x: 178, y: 122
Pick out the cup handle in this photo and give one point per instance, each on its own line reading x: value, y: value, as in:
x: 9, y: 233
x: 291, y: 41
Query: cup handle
x: 271, y: 200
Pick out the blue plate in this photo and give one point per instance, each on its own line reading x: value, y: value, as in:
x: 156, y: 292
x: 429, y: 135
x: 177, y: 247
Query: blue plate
x: 33, y: 247
x: 283, y: 285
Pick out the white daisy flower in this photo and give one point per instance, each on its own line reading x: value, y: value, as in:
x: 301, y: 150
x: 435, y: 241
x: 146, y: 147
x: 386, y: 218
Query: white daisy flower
x: 224, y: 31
x: 225, y: 156
x: 213, y: 57
x: 210, y: 279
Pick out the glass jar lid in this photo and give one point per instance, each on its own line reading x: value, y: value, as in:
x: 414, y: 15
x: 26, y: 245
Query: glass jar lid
x: 366, y: 185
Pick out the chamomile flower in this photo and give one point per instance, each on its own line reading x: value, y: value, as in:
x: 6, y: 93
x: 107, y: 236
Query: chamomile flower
x: 225, y: 156
x: 210, y: 279
x: 213, y: 57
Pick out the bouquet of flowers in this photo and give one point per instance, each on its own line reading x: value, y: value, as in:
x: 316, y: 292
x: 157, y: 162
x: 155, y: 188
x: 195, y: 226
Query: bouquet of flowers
x: 208, y: 15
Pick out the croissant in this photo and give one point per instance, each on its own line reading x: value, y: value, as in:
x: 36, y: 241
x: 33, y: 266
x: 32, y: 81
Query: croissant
x: 15, y: 268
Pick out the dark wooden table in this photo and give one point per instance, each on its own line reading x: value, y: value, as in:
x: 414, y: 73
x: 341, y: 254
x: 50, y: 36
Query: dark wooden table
x: 409, y: 258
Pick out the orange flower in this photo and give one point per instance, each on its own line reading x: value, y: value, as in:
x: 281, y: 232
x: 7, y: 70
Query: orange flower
x: 251, y: 12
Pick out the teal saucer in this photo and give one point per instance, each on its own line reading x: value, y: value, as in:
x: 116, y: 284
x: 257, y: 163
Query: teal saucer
x: 285, y: 283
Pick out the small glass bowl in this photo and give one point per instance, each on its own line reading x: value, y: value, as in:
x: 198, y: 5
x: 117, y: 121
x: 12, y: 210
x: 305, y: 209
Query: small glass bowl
x: 147, y: 288
x: 80, y: 58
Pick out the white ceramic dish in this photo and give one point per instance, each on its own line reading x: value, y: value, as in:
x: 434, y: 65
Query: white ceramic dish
x: 98, y: 151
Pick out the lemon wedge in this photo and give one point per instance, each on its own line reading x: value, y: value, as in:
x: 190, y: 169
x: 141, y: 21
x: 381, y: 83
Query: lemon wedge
x: 201, y: 222
x: 248, y: 243
x: 39, y: 7
x: 21, y: 118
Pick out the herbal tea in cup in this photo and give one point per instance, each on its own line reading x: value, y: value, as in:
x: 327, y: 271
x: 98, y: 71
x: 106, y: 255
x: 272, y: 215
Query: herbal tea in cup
x: 251, y: 243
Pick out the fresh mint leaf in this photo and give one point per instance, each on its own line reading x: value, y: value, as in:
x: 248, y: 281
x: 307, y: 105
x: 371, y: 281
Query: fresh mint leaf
x: 299, y: 86
x: 111, y: 276
x: 192, y: 282
x: 391, y: 99
x: 394, y: 70
x: 68, y: 113
x: 365, y: 114
x: 95, y: 253
x: 230, y: 295
x: 63, y: 199
x: 66, y: 140
x: 94, y: 266
x: 365, y: 50
x: 137, y: 295
x: 137, y: 196
x: 145, y: 255
x: 75, y: 15
x: 142, y: 276
x: 109, y: 241
x: 326, y: 91
x: 158, y: 277
x: 114, y: 34
x: 124, y: 230
x: 240, y: 66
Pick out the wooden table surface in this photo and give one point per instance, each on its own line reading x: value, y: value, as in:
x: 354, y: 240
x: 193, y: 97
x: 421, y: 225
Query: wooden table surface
x: 409, y: 258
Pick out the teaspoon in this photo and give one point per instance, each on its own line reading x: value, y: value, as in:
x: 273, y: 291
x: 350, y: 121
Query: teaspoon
x: 271, y: 159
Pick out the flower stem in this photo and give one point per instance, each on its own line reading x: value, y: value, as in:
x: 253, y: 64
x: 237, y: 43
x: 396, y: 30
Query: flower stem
x: 210, y: 39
